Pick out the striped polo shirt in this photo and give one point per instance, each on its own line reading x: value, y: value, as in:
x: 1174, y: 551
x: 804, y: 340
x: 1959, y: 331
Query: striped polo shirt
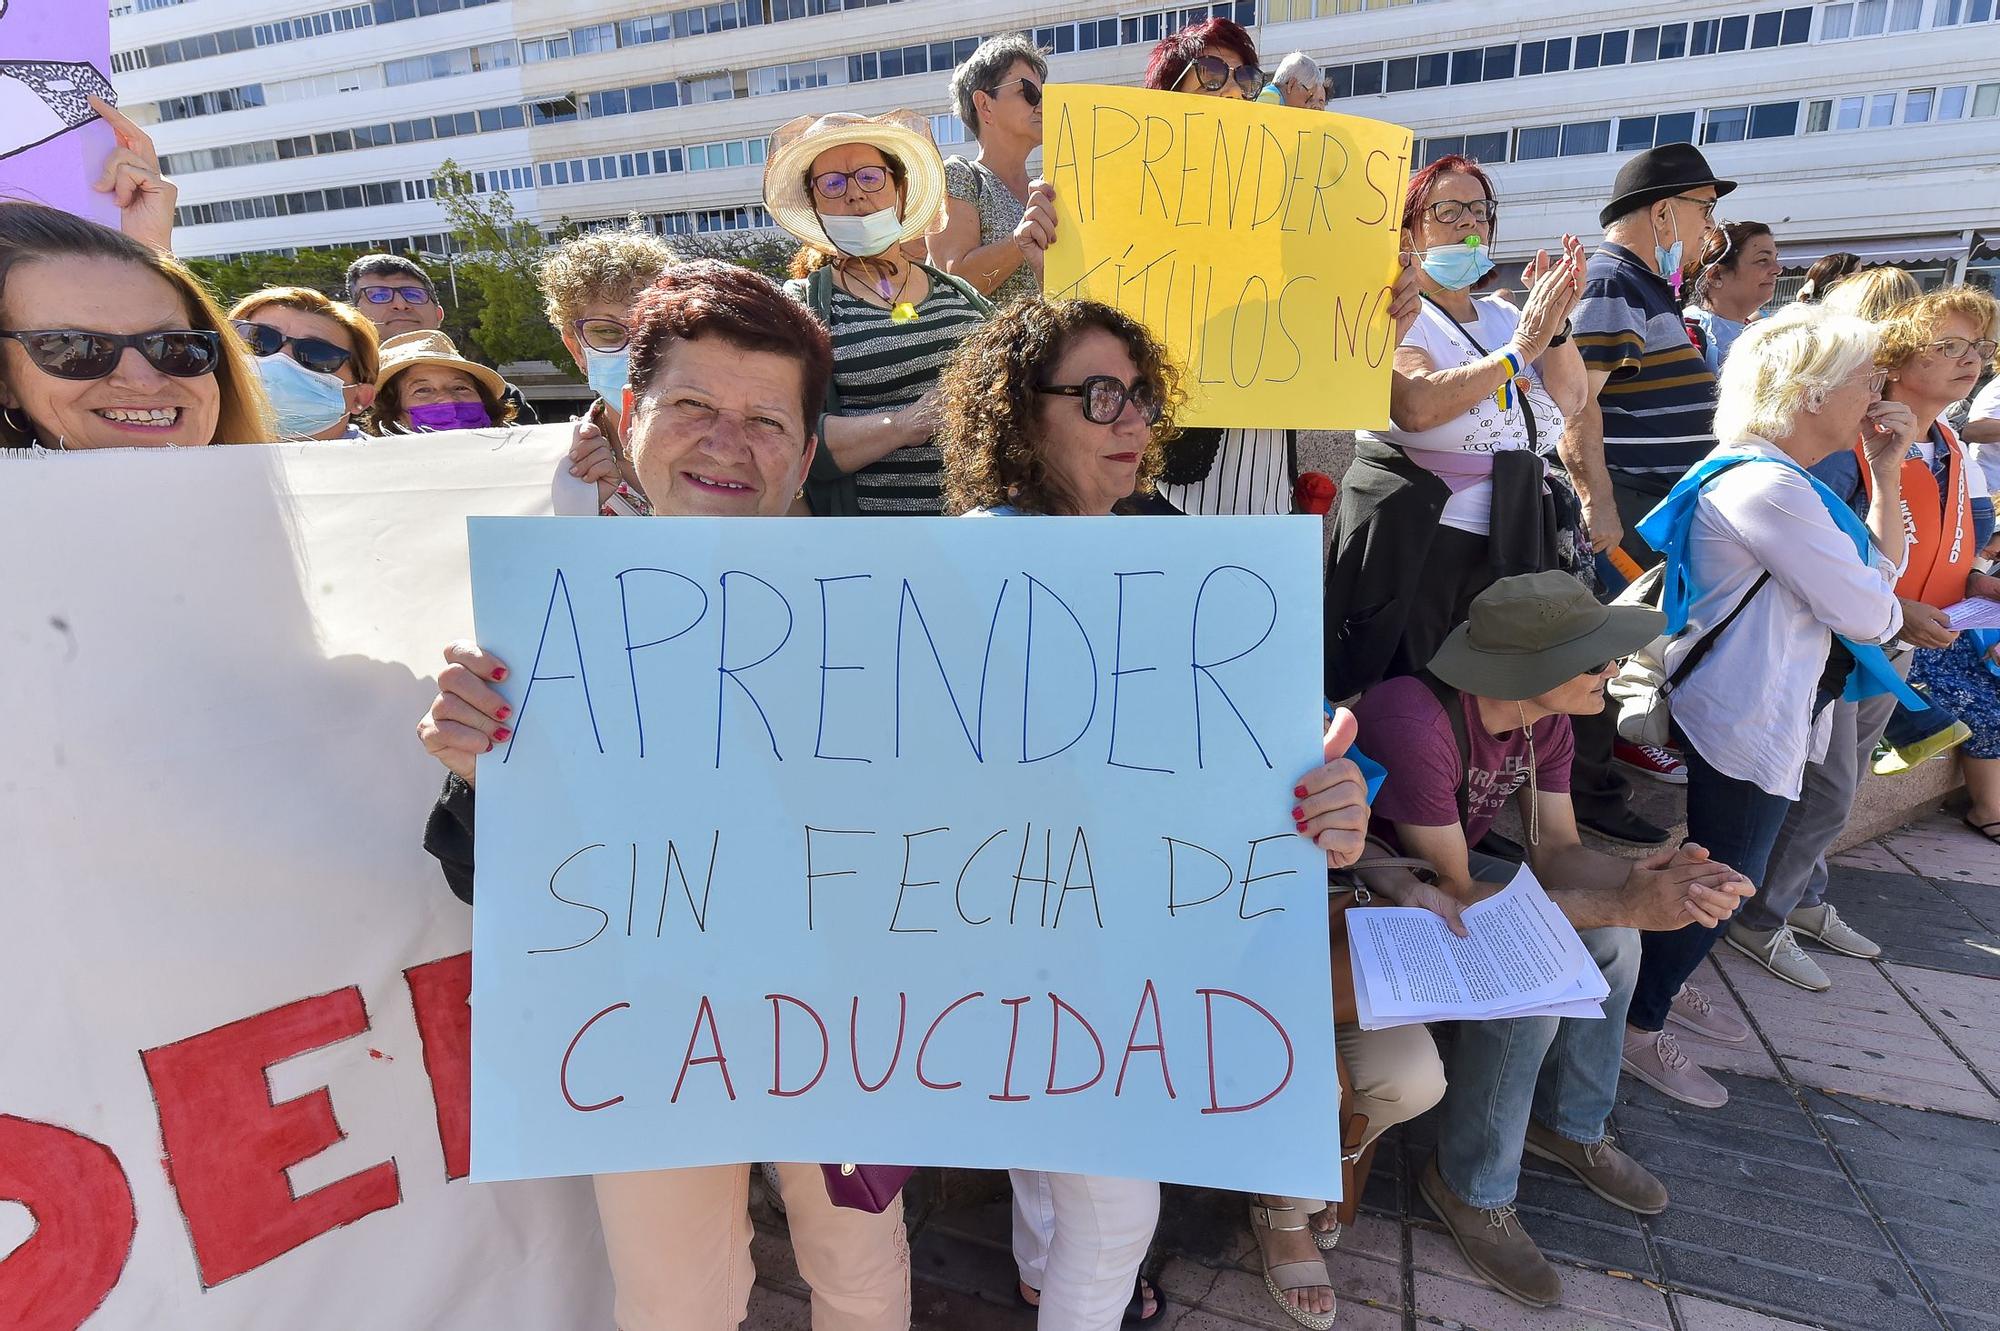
x: 1659, y: 403
x: 880, y: 365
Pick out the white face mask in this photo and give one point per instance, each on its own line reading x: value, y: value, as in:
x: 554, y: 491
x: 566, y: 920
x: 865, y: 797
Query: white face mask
x: 864, y: 237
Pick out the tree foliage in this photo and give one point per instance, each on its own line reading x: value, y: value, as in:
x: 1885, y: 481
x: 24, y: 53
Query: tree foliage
x: 499, y: 252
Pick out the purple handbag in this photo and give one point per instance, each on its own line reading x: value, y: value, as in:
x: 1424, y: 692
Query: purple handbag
x: 868, y: 1188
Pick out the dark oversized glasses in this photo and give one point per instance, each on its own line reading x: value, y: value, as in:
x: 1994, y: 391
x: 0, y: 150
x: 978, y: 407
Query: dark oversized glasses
x: 1104, y: 398
x: 383, y: 295
x: 78, y: 353
x: 833, y: 184
x: 602, y: 334
x: 1954, y: 348
x: 315, y: 353
x: 1212, y: 72
x: 1031, y: 91
x: 1450, y: 212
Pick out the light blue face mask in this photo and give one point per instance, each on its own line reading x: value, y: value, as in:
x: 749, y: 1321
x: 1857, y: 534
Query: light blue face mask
x: 306, y: 402
x: 607, y: 372
x: 1667, y: 258
x: 1457, y: 266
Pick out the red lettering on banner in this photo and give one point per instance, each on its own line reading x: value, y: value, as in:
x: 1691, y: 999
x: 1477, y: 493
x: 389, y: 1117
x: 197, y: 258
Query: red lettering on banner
x: 778, y: 1042
x: 438, y: 992
x: 924, y: 1045
x: 1013, y: 1039
x: 1147, y: 998
x: 1208, y: 997
x: 702, y: 1014
x: 563, y: 1073
x: 854, y: 1040
x: 81, y: 1204
x: 1056, y: 1009
x: 228, y: 1145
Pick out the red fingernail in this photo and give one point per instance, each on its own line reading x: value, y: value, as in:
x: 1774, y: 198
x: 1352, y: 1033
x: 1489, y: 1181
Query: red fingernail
x: 488, y: 748
x: 1300, y: 824
x: 1298, y: 792
x: 1298, y: 814
x: 504, y: 712
x: 500, y: 735
x: 499, y: 672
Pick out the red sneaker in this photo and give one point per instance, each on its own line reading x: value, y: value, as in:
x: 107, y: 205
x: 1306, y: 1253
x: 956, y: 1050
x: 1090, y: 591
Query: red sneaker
x: 1660, y: 764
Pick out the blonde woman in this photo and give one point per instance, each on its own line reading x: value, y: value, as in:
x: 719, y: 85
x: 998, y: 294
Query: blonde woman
x: 1779, y: 600
x: 317, y: 357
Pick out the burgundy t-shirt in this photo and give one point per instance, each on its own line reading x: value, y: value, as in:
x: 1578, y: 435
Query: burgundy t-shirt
x: 1404, y: 729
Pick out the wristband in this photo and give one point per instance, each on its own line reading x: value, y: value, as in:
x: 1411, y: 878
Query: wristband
x: 1561, y: 337
x: 1515, y: 366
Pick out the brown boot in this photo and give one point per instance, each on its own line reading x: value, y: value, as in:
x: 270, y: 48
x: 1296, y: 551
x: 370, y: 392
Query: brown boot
x: 1604, y: 1169
x: 1493, y: 1243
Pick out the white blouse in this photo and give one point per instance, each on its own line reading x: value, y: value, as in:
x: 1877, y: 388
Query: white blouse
x: 1748, y: 706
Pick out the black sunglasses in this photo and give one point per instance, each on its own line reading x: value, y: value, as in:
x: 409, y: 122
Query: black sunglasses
x: 1212, y: 72
x: 1104, y: 398
x: 77, y: 353
x: 1031, y: 91
x: 316, y: 354
x: 833, y: 184
x: 383, y: 295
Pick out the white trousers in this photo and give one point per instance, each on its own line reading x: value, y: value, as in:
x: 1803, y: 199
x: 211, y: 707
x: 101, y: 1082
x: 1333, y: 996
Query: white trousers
x: 1079, y: 1239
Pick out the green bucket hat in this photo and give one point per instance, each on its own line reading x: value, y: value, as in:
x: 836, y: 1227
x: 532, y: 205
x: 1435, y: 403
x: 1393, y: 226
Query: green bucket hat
x: 1528, y: 634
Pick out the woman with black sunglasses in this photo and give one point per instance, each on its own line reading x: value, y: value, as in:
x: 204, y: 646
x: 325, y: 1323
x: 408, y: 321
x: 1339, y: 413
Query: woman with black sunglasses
x: 107, y: 343
x: 317, y: 357
x: 997, y: 222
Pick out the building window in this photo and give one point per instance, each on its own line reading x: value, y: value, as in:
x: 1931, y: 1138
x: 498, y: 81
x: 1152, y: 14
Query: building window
x: 1487, y: 148
x: 1368, y: 78
x: 1774, y: 120
x: 1735, y: 33
x: 1951, y: 103
x: 1725, y: 124
x: 1538, y: 142
x: 1986, y: 99
x: 1586, y: 137
x: 1465, y: 66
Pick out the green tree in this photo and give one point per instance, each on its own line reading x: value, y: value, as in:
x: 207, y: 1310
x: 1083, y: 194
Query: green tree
x: 769, y: 252
x: 497, y: 254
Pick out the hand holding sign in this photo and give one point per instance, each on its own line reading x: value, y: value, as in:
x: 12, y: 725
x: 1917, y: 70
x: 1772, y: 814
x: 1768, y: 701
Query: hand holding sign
x: 1036, y: 230
x: 1259, y: 242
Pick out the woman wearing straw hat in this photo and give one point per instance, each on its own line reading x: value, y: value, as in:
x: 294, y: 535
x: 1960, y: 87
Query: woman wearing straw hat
x: 856, y: 189
x: 424, y: 385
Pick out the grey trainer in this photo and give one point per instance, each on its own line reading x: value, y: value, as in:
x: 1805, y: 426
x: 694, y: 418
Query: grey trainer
x: 1779, y: 953
x: 1695, y: 1010
x: 1654, y: 1058
x: 1822, y: 924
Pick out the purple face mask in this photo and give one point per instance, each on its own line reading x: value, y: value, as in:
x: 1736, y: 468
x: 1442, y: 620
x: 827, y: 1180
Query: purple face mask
x: 450, y: 416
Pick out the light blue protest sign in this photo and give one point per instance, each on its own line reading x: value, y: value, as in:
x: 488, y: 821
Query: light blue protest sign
x: 903, y: 841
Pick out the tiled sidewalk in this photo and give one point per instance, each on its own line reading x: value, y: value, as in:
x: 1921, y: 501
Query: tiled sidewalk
x: 1852, y: 1182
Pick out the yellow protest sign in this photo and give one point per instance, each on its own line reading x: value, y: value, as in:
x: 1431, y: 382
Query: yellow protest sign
x: 1259, y: 242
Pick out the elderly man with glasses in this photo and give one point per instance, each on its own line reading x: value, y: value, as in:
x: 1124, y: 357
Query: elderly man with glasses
x: 1300, y: 82
x: 398, y: 297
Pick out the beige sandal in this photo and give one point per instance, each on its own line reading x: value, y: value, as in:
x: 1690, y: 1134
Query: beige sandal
x: 1288, y: 1277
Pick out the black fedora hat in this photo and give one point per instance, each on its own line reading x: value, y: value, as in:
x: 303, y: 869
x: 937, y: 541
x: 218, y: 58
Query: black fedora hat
x: 1660, y: 173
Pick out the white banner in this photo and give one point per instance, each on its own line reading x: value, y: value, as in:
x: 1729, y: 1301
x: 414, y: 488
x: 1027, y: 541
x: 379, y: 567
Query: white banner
x: 233, y: 1058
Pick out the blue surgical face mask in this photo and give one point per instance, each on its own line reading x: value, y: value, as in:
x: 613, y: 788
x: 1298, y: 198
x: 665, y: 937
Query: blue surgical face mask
x: 1668, y: 258
x: 1457, y: 266
x: 606, y: 372
x: 306, y: 401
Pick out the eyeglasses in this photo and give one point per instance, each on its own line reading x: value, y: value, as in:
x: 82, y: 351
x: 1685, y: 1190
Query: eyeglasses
x: 76, y: 353
x: 1031, y: 91
x: 1878, y: 381
x: 1606, y: 667
x: 1954, y: 348
x: 833, y: 184
x: 1450, y: 212
x: 1212, y: 72
x: 602, y: 334
x: 383, y: 295
x: 316, y: 354
x: 1104, y: 398
x: 1707, y: 206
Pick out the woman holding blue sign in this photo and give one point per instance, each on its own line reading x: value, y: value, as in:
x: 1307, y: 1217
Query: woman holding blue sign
x: 1778, y: 600
x: 1062, y: 409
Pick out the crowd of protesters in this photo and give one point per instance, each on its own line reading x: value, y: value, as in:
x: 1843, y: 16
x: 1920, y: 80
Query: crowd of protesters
x: 1792, y: 474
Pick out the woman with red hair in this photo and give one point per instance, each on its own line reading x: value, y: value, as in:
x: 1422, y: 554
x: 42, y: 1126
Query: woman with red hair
x: 1456, y: 492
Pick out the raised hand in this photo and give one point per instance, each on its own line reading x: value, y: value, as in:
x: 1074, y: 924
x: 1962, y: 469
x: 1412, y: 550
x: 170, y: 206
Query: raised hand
x: 132, y: 177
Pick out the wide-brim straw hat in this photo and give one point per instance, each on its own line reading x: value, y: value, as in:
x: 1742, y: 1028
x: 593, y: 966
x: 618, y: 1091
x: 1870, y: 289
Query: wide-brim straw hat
x: 903, y: 135
x: 406, y: 351
x: 1527, y: 634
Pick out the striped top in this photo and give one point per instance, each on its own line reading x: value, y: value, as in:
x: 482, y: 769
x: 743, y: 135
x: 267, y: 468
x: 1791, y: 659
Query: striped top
x: 1659, y: 403
x: 1251, y: 475
x: 879, y: 366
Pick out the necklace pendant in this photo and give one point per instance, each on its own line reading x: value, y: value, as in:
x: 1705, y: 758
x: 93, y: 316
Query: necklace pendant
x: 902, y: 312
